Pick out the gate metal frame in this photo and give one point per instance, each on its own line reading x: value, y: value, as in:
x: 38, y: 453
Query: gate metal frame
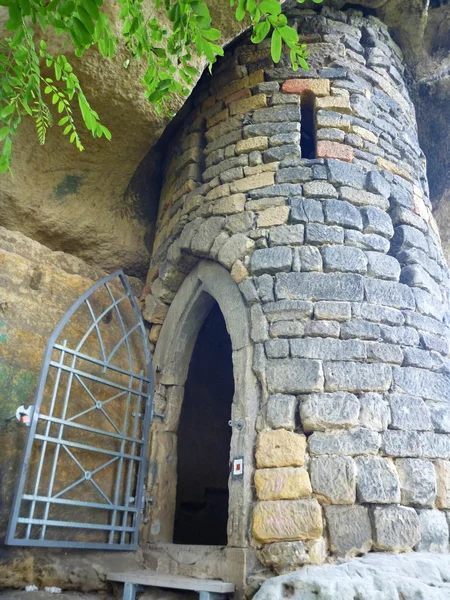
x: 140, y: 458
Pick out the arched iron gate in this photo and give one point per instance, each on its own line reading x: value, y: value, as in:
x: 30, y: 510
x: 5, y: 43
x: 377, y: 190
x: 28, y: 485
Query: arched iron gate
x: 81, y: 483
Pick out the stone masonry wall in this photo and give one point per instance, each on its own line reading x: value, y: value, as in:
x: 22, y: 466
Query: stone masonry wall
x: 339, y: 259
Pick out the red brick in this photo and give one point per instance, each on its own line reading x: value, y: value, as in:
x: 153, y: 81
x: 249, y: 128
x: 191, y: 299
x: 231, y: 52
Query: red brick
x: 334, y: 150
x: 318, y: 87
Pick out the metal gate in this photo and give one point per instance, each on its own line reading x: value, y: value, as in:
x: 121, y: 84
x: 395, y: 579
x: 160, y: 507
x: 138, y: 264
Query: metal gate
x: 81, y: 483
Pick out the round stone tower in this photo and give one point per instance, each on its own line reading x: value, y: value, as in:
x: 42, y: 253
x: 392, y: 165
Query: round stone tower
x: 298, y: 201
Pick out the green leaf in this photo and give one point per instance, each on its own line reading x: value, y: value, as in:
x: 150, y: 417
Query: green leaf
x: 240, y: 10
x: 92, y: 9
x: 13, y: 22
x: 275, y: 46
x: 66, y: 9
x: 4, y: 131
x: 271, y: 7
x: 81, y: 32
x: 211, y: 34
x: 289, y: 35
x: 63, y: 121
x: 86, y: 19
x: 6, y: 111
x: 260, y: 32
x: 67, y: 129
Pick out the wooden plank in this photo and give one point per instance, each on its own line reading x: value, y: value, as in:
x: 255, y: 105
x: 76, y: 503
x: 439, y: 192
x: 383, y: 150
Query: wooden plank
x: 174, y: 582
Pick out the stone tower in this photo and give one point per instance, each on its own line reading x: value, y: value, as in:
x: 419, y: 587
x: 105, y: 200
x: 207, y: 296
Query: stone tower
x: 298, y: 201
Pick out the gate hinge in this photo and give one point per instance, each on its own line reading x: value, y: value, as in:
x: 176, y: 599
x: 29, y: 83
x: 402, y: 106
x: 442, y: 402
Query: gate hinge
x: 23, y: 415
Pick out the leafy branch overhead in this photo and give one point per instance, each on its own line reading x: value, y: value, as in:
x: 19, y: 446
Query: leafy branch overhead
x: 43, y: 85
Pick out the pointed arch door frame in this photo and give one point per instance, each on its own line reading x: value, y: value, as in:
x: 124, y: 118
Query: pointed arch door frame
x: 121, y: 534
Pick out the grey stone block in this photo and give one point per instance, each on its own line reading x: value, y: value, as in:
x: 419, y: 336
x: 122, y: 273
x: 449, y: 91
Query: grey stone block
x: 287, y: 329
x: 377, y: 221
x: 320, y: 412
x: 349, y: 529
x: 265, y: 288
x: 320, y: 286
x: 402, y: 443
x: 417, y: 481
x: 343, y: 173
x: 366, y: 241
x: 294, y: 376
x: 401, y: 197
x: 363, y: 198
x: 416, y: 276
x: 225, y: 165
x: 396, y: 295
x: 340, y: 212
x: 356, y: 377
x: 286, y: 235
x: 249, y: 291
x: 382, y: 266
x: 328, y: 349
x: 434, y: 445
x: 277, y: 114
x: 345, y: 442
x: 306, y: 210
x: 422, y: 383
x: 381, y: 314
x: 336, y: 311
x: 294, y: 174
x: 288, y: 310
x: 277, y: 348
x: 270, y: 129
x: 433, y: 531
x: 310, y: 258
x: 318, y: 234
x: 375, y: 412
x: 406, y: 237
x: 360, y: 329
x: 288, y: 139
x: 377, y: 184
x: 404, y: 336
x: 418, y: 257
x: 319, y: 189
x: 415, y: 357
x: 440, y: 416
x: 280, y: 152
x: 281, y: 411
x: 271, y: 260
x: 403, y: 216
x: 235, y: 248
x: 377, y: 480
x: 204, y: 236
x: 325, y: 329
x: 259, y: 328
x: 423, y: 323
x: 428, y: 305
x: 387, y: 353
x: 333, y: 478
x: 429, y: 341
x: 284, y: 554
x: 409, y: 413
x: 396, y: 528
x: 275, y: 191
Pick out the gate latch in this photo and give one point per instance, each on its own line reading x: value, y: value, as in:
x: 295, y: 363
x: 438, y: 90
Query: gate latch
x: 23, y: 415
x: 239, y: 424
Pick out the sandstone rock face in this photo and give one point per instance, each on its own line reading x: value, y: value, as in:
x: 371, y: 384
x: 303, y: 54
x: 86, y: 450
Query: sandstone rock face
x: 390, y: 577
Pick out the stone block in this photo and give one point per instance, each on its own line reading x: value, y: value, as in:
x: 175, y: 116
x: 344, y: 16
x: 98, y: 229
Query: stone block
x: 323, y: 329
x: 381, y: 314
x: 294, y: 376
x: 317, y: 87
x: 280, y: 448
x: 259, y: 326
x: 416, y: 276
x: 289, y: 329
x: 252, y: 144
x: 343, y: 173
x: 271, y: 260
x: 318, y: 234
x: 275, y: 215
x: 418, y: 481
x: 433, y: 531
x: 387, y: 293
x: 319, y: 189
x: 320, y: 412
x: 280, y: 153
x: 333, y: 479
x: 339, y: 212
x: 330, y: 134
x: 287, y: 520
x: 282, y: 483
x: 377, y: 184
x: 294, y: 174
x: 345, y: 442
x: 387, y: 353
x: 360, y: 329
x: 281, y: 411
x: 330, y: 119
x: 277, y: 114
x: 206, y: 234
x: 349, y: 529
x: 394, y: 168
x: 155, y: 310
x: 406, y: 237
x: 429, y: 341
x: 288, y: 310
x: 250, y: 183
x: 369, y: 241
x: 237, y: 247
x: 442, y: 469
x: 276, y: 348
x: 246, y: 105
x: 357, y: 377
x: 306, y: 211
x: 375, y: 412
x: 287, y: 235
x: 328, y: 349
x: 422, y: 383
x: 377, y: 480
x: 310, y: 258
x: 228, y: 206
x: 440, y: 416
x: 409, y: 413
x: 320, y: 286
x: 363, y: 198
x: 239, y: 271
x: 328, y: 149
x: 336, y: 311
x: 283, y: 554
x: 334, y: 103
x: 382, y: 266
x: 396, y: 528
x: 288, y: 139
x: 376, y: 221
x: 343, y: 258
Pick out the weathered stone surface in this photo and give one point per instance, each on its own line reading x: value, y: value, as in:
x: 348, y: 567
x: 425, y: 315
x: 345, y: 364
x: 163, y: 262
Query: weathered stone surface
x: 280, y: 448
x: 350, y: 529
x: 422, y: 383
x: 287, y: 235
x: 319, y: 189
x: 417, y: 481
x: 339, y: 212
x: 362, y: 198
x: 442, y: 468
x: 382, y: 266
x: 375, y: 412
x: 366, y: 241
x: 294, y: 376
x: 287, y: 520
x: 289, y: 329
x: 318, y: 286
x: 328, y: 349
x: 377, y: 480
x: 396, y: 295
x: 281, y: 411
x: 277, y: 348
x: 433, y: 531
x: 377, y: 221
x: 320, y: 412
x: 318, y: 234
x: 396, y: 528
x: 360, y: 329
x: 204, y: 238
x: 284, y: 554
x: 285, y: 483
x: 344, y: 258
x: 333, y: 479
x: 356, y: 377
x: 271, y: 260
x: 287, y: 310
x: 348, y: 442
x: 337, y: 311
x: 236, y: 248
x: 409, y: 413
x: 310, y: 258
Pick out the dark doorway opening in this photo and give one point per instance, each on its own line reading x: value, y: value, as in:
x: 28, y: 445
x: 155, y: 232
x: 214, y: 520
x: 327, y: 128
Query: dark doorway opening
x: 307, y: 128
x: 204, y: 438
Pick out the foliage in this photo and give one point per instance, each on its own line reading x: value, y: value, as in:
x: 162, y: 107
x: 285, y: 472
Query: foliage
x: 43, y: 86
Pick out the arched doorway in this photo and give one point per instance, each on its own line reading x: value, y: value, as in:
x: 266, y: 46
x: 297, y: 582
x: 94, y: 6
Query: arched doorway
x: 207, y: 305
